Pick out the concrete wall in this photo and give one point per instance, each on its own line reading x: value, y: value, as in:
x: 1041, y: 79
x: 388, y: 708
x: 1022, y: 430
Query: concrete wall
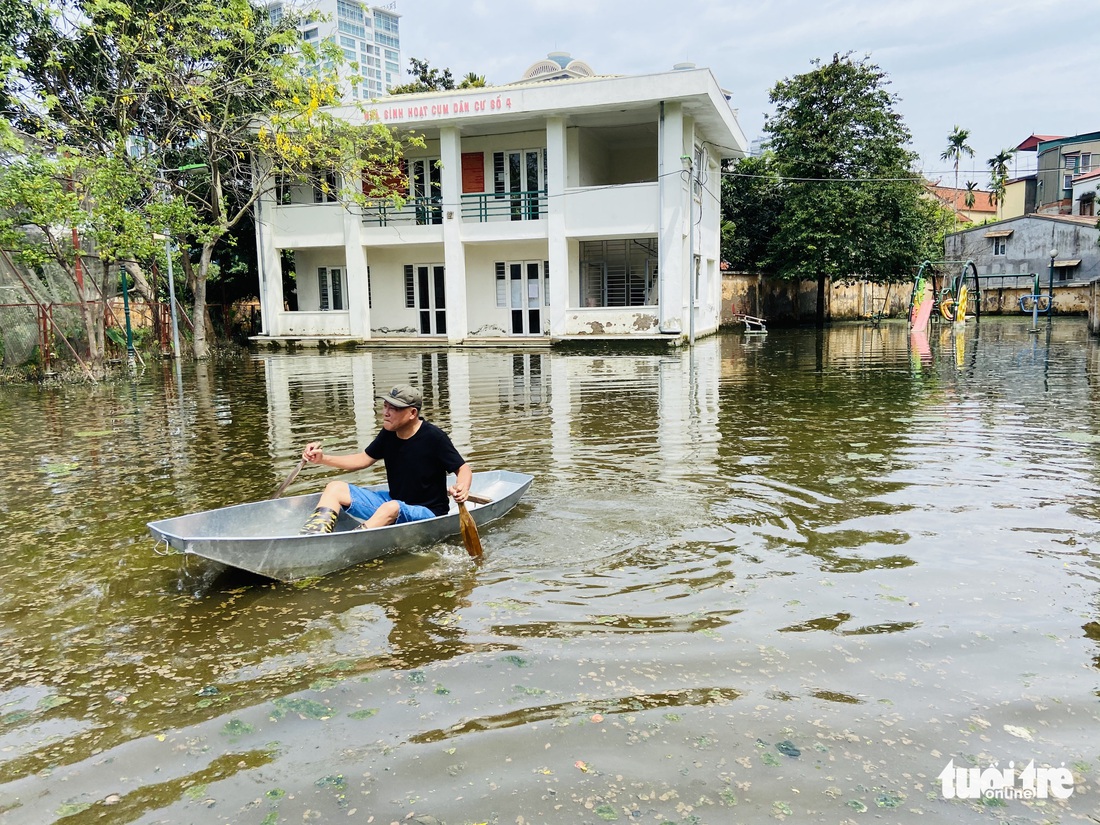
x: 785, y: 302
x: 1028, y: 247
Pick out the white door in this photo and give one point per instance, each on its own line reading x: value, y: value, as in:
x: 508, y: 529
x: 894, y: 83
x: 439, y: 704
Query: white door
x: 430, y: 299
x: 525, y: 297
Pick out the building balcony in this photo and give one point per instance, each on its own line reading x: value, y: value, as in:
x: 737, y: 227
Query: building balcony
x: 626, y: 209
x: 302, y: 225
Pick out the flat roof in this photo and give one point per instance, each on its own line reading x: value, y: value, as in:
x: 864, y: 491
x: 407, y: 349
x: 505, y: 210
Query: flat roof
x: 600, y: 101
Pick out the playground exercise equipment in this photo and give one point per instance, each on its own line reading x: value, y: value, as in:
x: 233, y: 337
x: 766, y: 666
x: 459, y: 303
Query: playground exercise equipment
x: 880, y: 311
x: 923, y: 298
x: 958, y: 295
x: 955, y: 297
x: 1036, y: 303
x: 754, y: 325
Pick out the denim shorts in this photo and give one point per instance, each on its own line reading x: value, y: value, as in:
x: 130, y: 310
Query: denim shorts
x: 364, y: 502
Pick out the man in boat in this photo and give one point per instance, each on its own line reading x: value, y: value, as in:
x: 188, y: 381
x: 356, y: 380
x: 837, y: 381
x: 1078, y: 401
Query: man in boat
x: 418, y: 455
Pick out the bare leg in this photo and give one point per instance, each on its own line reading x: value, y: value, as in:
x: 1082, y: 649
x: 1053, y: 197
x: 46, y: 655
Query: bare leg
x: 383, y: 517
x: 336, y: 496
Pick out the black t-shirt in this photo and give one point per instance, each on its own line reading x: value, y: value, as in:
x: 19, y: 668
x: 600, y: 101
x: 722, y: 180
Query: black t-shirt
x: 417, y: 467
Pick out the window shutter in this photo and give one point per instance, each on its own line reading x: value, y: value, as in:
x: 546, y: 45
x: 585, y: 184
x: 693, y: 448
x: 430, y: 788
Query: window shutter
x: 502, y: 292
x: 498, y: 173
x: 473, y: 172
x: 322, y: 288
x: 410, y: 288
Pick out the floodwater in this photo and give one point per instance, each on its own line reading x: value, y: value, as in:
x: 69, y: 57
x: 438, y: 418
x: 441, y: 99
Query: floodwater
x: 783, y: 577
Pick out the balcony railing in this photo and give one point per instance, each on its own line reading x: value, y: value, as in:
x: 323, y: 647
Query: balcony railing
x: 417, y: 211
x: 480, y: 207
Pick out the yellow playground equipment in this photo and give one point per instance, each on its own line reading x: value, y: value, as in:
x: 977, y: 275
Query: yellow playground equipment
x: 962, y: 294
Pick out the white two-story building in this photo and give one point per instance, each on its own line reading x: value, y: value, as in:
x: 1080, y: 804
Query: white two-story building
x: 546, y: 210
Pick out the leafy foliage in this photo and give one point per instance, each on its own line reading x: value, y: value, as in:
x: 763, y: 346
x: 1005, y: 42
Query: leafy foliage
x: 152, y: 113
x: 752, y: 201
x: 430, y: 79
x: 852, y: 206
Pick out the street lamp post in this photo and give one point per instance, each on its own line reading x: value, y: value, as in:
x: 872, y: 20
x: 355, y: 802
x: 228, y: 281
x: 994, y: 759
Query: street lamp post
x: 172, y: 297
x: 130, y: 353
x: 171, y: 279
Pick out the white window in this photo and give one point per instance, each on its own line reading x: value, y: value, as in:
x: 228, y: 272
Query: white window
x: 331, y: 288
x: 426, y: 190
x: 520, y: 175
x: 282, y: 189
x: 1000, y: 246
x: 325, y: 188
x: 1067, y: 181
x: 698, y: 171
x: 1086, y: 162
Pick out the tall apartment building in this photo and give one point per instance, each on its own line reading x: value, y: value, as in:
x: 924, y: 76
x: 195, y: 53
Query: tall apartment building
x: 369, y: 36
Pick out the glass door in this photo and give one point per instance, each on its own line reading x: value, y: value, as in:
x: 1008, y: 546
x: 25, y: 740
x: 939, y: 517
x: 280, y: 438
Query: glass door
x: 431, y: 299
x: 525, y: 297
x: 426, y: 190
x: 524, y: 180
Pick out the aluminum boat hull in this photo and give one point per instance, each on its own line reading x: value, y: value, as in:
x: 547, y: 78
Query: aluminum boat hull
x: 262, y: 537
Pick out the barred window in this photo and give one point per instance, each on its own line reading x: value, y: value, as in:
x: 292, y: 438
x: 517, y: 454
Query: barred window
x: 619, y: 273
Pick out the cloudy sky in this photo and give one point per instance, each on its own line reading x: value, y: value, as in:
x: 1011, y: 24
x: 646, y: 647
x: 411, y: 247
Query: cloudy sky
x: 1003, y: 69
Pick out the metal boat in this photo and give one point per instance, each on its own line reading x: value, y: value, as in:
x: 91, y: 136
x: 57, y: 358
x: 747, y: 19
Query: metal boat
x: 262, y: 537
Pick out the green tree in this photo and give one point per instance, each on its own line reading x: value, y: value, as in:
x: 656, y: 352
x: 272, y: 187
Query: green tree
x: 430, y: 79
x: 957, y: 146
x: 137, y: 90
x: 473, y: 81
x: 752, y: 200
x: 852, y: 206
x: 427, y: 79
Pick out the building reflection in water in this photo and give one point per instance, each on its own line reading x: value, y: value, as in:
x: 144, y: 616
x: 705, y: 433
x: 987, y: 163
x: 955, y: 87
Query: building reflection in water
x: 551, y: 408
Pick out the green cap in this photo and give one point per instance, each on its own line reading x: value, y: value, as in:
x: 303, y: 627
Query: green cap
x: 403, y: 396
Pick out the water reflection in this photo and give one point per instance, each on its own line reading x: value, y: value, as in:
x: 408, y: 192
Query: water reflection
x: 648, y: 612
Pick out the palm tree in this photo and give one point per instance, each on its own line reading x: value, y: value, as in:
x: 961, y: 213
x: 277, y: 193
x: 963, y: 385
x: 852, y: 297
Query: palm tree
x: 971, y: 194
x: 472, y: 80
x: 998, y: 165
x: 956, y: 148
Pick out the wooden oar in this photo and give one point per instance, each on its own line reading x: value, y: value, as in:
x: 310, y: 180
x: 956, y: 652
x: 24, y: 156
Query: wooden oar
x: 469, y: 532
x: 293, y: 475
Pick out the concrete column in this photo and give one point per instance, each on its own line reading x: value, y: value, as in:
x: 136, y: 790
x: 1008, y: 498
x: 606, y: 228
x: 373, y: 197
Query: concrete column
x: 557, y: 244
x: 268, y: 261
x: 672, y: 224
x: 454, y: 255
x: 355, y: 263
